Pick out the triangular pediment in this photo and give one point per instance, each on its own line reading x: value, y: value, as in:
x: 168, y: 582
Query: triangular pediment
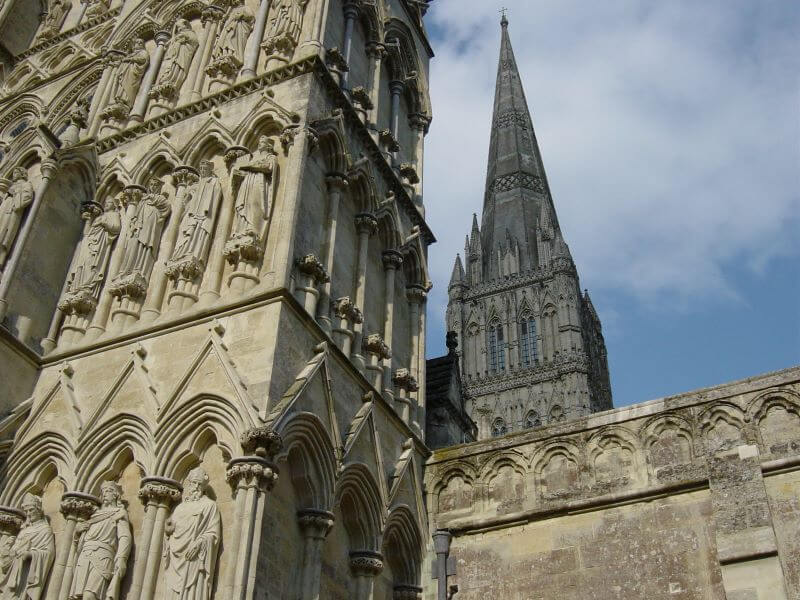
x: 362, y: 445
x: 405, y: 486
x: 58, y: 410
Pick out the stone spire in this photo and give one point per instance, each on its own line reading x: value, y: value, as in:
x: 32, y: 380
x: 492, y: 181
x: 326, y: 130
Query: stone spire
x: 458, y: 272
x: 516, y: 184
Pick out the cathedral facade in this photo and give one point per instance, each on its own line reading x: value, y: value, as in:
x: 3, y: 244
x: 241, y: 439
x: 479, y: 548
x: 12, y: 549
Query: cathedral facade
x: 532, y: 349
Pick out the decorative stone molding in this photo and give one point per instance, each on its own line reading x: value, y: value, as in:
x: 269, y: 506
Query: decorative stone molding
x: 261, y: 441
x: 251, y: 470
x: 11, y: 520
x: 160, y: 490
x: 315, y: 523
x: 311, y: 266
x: 374, y: 344
x: 78, y: 505
x: 392, y: 259
x: 416, y: 294
x: 366, y: 223
x: 366, y: 563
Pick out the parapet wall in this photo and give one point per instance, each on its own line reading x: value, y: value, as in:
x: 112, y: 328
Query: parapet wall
x: 691, y: 496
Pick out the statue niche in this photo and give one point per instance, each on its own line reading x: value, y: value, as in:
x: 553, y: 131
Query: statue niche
x: 190, y: 551
x: 125, y: 85
x: 283, y: 31
x: 25, y: 566
x: 102, y: 546
x: 252, y: 183
x: 54, y: 18
x: 89, y: 267
x: 188, y: 260
x: 140, y: 246
x: 228, y: 55
x: 176, y: 64
x: 18, y: 198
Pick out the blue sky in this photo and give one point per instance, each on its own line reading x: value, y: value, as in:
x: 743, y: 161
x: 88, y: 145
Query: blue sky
x: 670, y: 133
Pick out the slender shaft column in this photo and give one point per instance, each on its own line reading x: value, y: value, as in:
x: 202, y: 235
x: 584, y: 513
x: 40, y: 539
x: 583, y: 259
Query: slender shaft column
x: 366, y: 225
x: 140, y: 104
x: 407, y: 592
x: 376, y: 52
x: 311, y: 274
x: 48, y: 170
x: 337, y: 182
x: 100, y: 98
x: 182, y: 177
x: 313, y: 43
x: 197, y: 74
x: 365, y: 565
x: 416, y: 295
x: 419, y: 125
x: 345, y: 313
x: 377, y: 351
x: 421, y: 369
x: 405, y: 384
x: 76, y: 507
x: 392, y: 259
x: 350, y: 16
x: 158, y: 495
x: 251, y: 477
x: 253, y: 47
x: 395, y: 89
x: 441, y: 545
x: 314, y: 527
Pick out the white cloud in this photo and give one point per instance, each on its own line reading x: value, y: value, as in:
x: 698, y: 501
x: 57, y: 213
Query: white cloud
x: 669, y: 133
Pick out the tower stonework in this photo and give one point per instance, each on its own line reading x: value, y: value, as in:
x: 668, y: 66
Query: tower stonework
x: 214, y: 276
x: 532, y: 349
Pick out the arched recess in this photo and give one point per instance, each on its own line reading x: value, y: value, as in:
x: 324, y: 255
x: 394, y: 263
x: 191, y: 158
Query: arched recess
x: 34, y: 462
x: 721, y: 426
x: 556, y: 470
x: 777, y: 415
x: 310, y: 459
x: 129, y: 438
x: 208, y: 143
x: 159, y: 162
x: 614, y: 456
x: 454, y: 490
x: 361, y: 506
x: 504, y: 477
x: 80, y: 88
x: 402, y: 546
x: 267, y: 121
x: 25, y: 107
x: 668, y: 441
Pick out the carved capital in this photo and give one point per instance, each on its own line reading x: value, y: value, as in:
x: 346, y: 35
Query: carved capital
x: 79, y: 302
x: 310, y: 265
x: 288, y: 135
x: 342, y: 307
x: 188, y: 268
x: 11, y: 520
x: 335, y: 60
x: 112, y: 57
x: 48, y: 168
x: 162, y: 37
x: 132, y: 286
x: 376, y: 50
x: 396, y: 86
x: 409, y: 173
x: 404, y: 380
x: 374, y: 344
x: 366, y: 563
x: 90, y: 210
x: 244, y: 246
x: 233, y: 153
x: 336, y: 181
x: 315, y: 523
x: 360, y: 96
x: 387, y: 139
x: 366, y: 223
x: 419, y: 122
x: 261, y: 441
x: 407, y: 592
x: 392, y: 259
x: 416, y: 294
x: 251, y: 471
x: 350, y: 9
x: 184, y: 175
x: 160, y: 490
x: 132, y: 195
x: 212, y: 13
x: 78, y: 505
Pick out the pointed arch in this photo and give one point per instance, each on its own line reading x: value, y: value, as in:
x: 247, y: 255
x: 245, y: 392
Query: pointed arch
x: 160, y: 160
x: 362, y: 187
x: 210, y: 140
x: 270, y: 120
x: 362, y: 507
x: 82, y: 85
x: 27, y: 464
x: 402, y: 545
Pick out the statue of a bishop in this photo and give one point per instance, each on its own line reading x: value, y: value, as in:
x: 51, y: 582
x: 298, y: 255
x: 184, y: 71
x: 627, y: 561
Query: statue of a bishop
x: 18, y: 198
x: 25, y: 572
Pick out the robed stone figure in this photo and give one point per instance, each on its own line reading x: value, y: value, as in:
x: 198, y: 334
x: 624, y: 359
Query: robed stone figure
x: 285, y: 25
x: 26, y: 567
x: 193, y: 533
x: 144, y: 234
x: 254, y: 194
x: 233, y: 37
x: 102, y: 547
x: 176, y: 63
x: 18, y: 198
x: 130, y: 72
x: 56, y: 11
x: 89, y: 270
x: 197, y: 224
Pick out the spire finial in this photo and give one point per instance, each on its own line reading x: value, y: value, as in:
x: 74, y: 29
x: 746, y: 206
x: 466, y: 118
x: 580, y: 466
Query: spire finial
x: 503, y: 19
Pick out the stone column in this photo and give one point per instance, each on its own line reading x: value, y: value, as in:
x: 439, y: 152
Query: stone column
x: 350, y: 15
x: 311, y: 274
x: 140, y: 104
x: 130, y: 198
x: 314, y: 525
x: 48, y: 170
x: 158, y: 494
x: 253, y: 47
x: 392, y: 259
x: 407, y: 592
x: 345, y: 313
x: 416, y: 295
x: 337, y: 183
x: 376, y: 351
x: 419, y: 125
x: 396, y: 88
x: 76, y: 507
x: 182, y: 177
x: 313, y: 43
x: 100, y: 98
x: 365, y: 566
x: 405, y: 385
x: 197, y: 73
x: 216, y: 257
x: 376, y: 51
x: 366, y: 225
x: 251, y: 477
x: 441, y: 545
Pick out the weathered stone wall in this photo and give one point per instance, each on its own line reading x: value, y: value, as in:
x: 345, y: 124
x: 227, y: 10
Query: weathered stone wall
x: 691, y: 496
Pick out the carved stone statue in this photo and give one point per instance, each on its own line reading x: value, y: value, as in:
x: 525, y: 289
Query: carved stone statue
x: 176, y: 61
x: 19, y: 196
x: 103, y: 544
x: 283, y: 30
x: 129, y: 76
x: 229, y: 52
x: 56, y: 11
x: 25, y: 569
x: 193, y: 533
x: 141, y: 243
x: 89, y: 270
x: 253, y: 197
x: 197, y: 225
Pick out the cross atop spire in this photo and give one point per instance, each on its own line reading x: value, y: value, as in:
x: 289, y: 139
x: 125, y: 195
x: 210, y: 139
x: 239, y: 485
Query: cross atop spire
x: 503, y: 19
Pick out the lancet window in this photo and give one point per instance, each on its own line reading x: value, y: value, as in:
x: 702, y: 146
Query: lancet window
x: 528, y: 341
x: 497, y: 358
